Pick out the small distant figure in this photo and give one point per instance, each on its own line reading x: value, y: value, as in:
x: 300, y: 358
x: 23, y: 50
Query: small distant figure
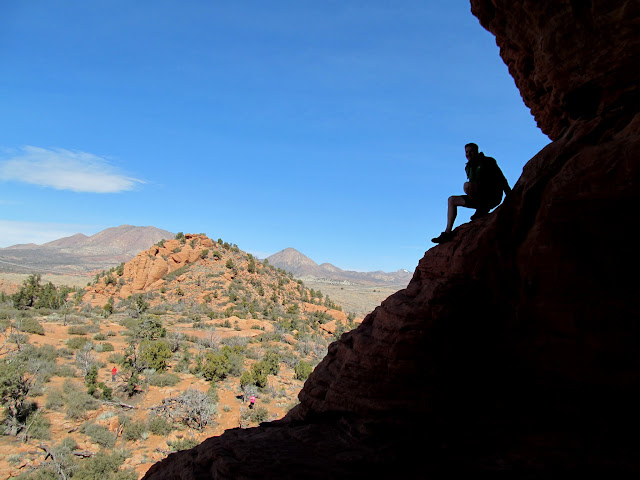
x: 252, y: 401
x: 114, y: 370
x: 484, y: 188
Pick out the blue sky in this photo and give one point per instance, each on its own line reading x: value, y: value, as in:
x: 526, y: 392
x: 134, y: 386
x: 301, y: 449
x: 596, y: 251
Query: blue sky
x: 333, y: 127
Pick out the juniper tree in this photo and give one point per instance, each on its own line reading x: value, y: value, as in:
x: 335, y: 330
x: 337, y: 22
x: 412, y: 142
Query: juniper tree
x: 16, y: 381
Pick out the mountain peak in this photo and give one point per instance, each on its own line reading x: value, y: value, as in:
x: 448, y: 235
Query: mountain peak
x: 67, y: 242
x: 82, y: 253
x: 291, y: 260
x: 300, y: 265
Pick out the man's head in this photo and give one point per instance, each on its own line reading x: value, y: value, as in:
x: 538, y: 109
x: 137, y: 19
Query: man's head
x: 470, y: 151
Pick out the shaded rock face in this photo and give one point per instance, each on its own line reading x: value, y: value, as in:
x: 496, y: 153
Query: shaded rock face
x: 513, y: 352
x: 570, y: 59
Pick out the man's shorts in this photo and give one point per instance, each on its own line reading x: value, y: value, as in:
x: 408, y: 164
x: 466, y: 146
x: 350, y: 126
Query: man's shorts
x: 480, y: 203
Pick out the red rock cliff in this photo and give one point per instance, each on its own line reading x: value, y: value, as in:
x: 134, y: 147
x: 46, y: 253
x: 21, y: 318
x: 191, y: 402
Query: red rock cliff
x: 514, y: 349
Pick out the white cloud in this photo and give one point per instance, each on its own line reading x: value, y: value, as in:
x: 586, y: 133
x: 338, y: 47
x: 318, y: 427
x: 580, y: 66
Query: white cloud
x: 66, y: 170
x: 14, y: 232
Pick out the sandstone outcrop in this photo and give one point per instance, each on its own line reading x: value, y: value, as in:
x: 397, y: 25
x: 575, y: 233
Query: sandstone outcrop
x: 513, y: 352
x: 147, y: 270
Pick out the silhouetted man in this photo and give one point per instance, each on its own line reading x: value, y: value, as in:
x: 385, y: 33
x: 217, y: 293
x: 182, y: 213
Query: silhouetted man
x: 483, y: 190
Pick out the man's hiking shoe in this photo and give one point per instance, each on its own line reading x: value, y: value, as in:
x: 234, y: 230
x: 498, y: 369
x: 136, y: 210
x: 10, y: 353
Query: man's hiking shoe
x: 443, y: 237
x: 479, y: 214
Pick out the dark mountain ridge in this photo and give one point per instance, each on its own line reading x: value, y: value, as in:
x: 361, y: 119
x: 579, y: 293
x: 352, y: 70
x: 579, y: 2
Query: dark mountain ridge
x: 81, y: 253
x: 306, y: 269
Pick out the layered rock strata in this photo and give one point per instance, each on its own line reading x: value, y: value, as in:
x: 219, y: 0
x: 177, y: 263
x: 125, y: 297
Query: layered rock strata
x: 513, y: 352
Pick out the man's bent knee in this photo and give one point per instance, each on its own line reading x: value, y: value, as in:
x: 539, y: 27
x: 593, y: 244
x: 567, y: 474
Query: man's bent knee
x: 456, y: 200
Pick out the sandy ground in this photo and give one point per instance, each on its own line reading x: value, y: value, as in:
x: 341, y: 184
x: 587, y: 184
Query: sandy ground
x: 69, y: 280
x: 358, y: 299
x: 152, y: 449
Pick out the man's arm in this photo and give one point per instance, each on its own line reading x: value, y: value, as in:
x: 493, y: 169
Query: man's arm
x: 505, y: 184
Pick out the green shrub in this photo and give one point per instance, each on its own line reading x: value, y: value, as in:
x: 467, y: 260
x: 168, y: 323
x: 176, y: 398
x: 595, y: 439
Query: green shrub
x: 37, y: 426
x: 65, y: 352
x: 77, y: 330
x: 212, y: 393
x: 46, y: 353
x: 99, y: 336
x: 116, y: 358
x: 183, y: 444
x: 302, y: 370
x: 159, y: 426
x: 55, y: 400
x: 236, y: 363
x: 258, y: 375
x: 30, y: 325
x: 215, y: 367
x: 32, y: 294
x: 246, y: 379
x: 129, y: 323
x: 163, y: 379
x: 65, y: 370
x: 76, y: 343
x: 78, y: 403
x: 99, y: 435
x: 104, y: 466
x: 107, y: 391
x: 18, y: 338
x: 176, y: 273
x: 69, y: 443
x: 137, y: 305
x: 271, y: 361
x: 259, y: 414
x: 42, y: 473
x: 154, y: 354
x: 149, y: 329
x: 69, y: 387
x: 104, y: 347
x: 133, y: 431
x: 269, y: 365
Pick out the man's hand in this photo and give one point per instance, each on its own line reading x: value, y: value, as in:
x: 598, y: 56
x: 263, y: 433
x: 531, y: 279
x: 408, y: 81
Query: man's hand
x: 470, y: 188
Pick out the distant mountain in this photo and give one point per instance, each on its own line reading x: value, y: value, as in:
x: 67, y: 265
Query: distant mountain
x: 304, y: 268
x: 295, y: 262
x: 21, y: 246
x: 80, y: 253
x: 66, y: 242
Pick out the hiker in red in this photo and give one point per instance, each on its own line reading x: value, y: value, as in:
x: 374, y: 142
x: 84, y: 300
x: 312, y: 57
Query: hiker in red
x: 252, y: 401
x: 114, y: 370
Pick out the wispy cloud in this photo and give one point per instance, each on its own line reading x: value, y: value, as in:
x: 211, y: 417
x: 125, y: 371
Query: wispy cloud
x: 66, y: 170
x: 14, y: 232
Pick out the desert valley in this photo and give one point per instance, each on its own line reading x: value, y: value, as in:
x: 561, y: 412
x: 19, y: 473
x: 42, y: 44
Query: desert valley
x: 193, y: 327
